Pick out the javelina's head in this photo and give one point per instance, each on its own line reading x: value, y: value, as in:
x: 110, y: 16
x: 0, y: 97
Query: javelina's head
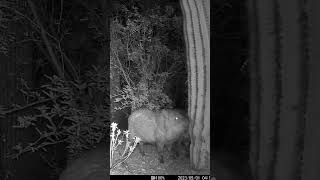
x: 182, y: 143
x: 178, y: 122
x: 179, y: 117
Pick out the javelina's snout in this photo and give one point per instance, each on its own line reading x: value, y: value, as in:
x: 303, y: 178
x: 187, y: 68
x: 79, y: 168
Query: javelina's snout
x: 162, y: 128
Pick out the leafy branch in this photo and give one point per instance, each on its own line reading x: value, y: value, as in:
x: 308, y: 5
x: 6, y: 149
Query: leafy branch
x: 139, y: 52
x: 61, y: 114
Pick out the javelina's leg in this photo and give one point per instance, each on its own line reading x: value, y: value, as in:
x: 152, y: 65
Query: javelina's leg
x: 186, y: 145
x: 141, y: 149
x: 173, y: 151
x: 160, y: 152
x: 181, y: 148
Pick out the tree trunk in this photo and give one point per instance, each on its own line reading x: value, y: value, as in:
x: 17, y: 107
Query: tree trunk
x: 265, y: 83
x: 311, y: 157
x: 254, y: 91
x: 197, y: 39
x: 284, y: 87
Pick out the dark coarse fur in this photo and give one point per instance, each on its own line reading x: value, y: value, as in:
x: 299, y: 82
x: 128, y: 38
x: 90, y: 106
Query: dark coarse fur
x: 162, y: 128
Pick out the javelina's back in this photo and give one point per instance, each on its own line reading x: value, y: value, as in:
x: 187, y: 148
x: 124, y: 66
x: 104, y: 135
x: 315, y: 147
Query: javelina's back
x: 140, y: 124
x: 153, y: 126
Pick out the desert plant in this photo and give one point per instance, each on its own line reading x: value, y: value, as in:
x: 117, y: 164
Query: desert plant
x: 140, y: 53
x: 116, y: 141
x: 63, y: 111
x: 62, y: 108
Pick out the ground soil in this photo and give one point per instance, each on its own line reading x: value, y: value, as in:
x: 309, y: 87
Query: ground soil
x: 149, y: 164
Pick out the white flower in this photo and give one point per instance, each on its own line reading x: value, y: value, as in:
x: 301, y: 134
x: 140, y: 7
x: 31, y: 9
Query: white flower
x: 131, y: 148
x: 126, y: 132
x: 137, y: 139
x: 114, y: 126
x: 120, y: 141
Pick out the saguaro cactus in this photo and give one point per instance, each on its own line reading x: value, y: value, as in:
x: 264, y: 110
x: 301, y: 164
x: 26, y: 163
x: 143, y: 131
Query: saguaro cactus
x: 285, y: 72
x: 196, y: 16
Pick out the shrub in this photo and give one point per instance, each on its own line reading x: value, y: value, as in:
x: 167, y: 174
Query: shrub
x: 64, y: 112
x: 140, y: 52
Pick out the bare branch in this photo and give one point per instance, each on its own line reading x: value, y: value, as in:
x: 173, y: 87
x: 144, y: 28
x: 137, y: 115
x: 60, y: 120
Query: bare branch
x: 53, y: 58
x: 29, y: 105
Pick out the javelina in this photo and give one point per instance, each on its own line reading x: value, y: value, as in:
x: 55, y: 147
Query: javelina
x: 162, y: 127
